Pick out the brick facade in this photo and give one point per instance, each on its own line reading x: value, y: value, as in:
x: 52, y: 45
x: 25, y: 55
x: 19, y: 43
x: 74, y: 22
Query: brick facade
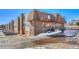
x: 41, y: 22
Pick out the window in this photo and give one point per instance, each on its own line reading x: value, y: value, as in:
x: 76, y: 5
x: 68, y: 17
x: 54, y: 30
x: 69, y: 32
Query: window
x: 48, y: 16
x: 41, y: 18
x: 42, y: 23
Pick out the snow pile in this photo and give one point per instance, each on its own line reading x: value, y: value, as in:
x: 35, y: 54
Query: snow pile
x: 70, y: 32
x: 2, y: 34
x: 50, y: 33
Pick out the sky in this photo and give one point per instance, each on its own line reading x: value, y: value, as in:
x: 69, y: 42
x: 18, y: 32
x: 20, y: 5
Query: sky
x: 6, y: 15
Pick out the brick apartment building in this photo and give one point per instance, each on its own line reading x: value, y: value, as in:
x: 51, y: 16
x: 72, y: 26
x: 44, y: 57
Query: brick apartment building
x: 35, y: 22
x: 41, y: 22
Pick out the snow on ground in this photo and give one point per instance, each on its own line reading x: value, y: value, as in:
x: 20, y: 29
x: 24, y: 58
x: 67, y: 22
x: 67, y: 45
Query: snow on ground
x: 19, y: 42
x: 59, y: 46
